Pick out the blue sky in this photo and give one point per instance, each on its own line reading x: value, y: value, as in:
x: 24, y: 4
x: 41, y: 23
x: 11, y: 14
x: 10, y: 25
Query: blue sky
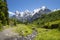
x: 22, y: 5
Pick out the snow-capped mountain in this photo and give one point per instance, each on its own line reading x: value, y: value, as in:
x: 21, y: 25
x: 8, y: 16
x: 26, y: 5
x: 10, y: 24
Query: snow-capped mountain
x: 28, y: 16
x: 39, y: 11
x: 22, y: 16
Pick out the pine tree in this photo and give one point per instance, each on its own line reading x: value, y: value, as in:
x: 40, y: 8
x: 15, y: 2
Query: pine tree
x: 4, y: 12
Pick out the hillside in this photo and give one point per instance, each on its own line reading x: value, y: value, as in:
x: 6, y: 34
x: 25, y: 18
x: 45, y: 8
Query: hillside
x: 46, y: 18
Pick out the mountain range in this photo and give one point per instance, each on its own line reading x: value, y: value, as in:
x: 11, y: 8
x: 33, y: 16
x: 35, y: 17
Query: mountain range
x: 30, y: 16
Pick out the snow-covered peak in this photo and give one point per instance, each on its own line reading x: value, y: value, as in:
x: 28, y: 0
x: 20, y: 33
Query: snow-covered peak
x: 56, y: 9
x: 43, y: 7
x: 21, y: 14
x: 26, y: 10
x: 36, y: 10
x: 17, y: 12
x: 27, y: 13
x: 39, y: 9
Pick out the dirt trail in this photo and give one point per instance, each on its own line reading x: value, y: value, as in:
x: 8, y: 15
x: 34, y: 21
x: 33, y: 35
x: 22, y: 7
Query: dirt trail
x: 7, y: 33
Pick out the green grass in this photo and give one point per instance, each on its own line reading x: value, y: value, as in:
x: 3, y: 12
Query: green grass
x: 53, y: 22
x: 47, y: 34
x: 43, y: 34
x: 23, y: 29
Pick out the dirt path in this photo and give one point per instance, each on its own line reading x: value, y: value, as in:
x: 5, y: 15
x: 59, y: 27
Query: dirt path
x: 7, y: 33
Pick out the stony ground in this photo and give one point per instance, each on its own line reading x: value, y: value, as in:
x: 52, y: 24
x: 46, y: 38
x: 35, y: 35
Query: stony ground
x: 7, y: 34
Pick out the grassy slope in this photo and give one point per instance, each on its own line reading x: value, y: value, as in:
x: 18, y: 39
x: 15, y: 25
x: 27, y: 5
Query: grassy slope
x: 54, y: 16
x: 54, y: 22
x: 44, y: 34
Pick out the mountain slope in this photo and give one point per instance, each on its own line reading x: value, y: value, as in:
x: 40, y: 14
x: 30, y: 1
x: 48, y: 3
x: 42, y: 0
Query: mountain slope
x: 53, y: 16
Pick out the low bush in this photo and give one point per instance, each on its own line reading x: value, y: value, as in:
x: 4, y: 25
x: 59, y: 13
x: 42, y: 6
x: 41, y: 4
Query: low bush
x: 45, y: 26
x: 54, y: 26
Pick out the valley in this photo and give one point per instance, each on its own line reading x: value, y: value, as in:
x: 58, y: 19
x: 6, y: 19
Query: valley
x: 41, y: 23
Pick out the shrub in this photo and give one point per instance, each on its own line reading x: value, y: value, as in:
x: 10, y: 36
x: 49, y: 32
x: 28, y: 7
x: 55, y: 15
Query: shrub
x: 45, y: 26
x: 38, y: 23
x: 26, y: 31
x: 33, y: 28
x: 59, y: 27
x: 54, y: 26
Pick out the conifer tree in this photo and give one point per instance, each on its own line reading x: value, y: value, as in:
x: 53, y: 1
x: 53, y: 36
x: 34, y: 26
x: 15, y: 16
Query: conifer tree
x: 4, y: 12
